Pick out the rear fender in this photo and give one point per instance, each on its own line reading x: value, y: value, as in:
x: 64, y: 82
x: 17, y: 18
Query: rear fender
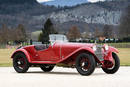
x: 22, y: 51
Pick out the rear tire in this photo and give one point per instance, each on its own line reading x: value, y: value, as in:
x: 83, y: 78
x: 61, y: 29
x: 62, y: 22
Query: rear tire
x: 85, y: 64
x: 20, y: 63
x: 115, y: 67
x: 47, y: 67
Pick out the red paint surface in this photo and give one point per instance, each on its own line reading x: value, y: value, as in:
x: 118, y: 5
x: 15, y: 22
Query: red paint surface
x: 60, y: 52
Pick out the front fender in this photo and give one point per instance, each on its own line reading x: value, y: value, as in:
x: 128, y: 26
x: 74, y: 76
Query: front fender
x: 90, y: 50
x: 108, y: 54
x: 112, y: 49
x: 23, y: 51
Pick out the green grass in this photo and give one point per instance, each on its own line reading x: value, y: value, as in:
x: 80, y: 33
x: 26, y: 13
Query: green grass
x: 5, y: 60
x: 120, y: 45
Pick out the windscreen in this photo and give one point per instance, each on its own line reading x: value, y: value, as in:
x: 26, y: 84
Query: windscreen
x: 54, y: 38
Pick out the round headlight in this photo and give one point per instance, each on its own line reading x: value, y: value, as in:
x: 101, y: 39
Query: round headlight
x: 106, y: 47
x: 94, y: 48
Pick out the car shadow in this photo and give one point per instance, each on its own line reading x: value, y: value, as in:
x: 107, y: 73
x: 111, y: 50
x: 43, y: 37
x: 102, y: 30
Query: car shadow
x: 99, y: 74
x: 56, y: 73
x: 63, y: 73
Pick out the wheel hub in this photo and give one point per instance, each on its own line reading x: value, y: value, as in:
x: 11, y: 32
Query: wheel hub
x: 84, y: 63
x: 20, y: 63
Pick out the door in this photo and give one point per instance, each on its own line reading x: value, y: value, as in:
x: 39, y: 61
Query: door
x: 50, y: 54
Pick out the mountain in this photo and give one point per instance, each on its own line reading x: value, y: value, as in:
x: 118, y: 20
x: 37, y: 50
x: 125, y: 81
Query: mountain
x: 71, y: 2
x: 65, y: 2
x: 14, y: 12
x: 30, y: 7
x: 17, y: 1
x: 90, y: 15
x: 33, y: 15
x: 100, y: 13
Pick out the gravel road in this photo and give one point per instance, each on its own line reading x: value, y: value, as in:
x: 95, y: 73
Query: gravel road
x: 63, y: 77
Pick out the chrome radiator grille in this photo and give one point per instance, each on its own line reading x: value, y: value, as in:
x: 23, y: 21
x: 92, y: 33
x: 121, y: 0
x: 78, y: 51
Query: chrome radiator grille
x: 98, y: 52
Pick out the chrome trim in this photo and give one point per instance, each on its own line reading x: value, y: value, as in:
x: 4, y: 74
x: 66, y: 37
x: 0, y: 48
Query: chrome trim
x: 98, y: 52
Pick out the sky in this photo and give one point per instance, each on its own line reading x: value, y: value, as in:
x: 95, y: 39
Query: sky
x: 51, y: 0
x: 43, y: 0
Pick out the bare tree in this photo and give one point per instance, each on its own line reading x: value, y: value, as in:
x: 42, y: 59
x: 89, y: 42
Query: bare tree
x: 4, y: 34
x: 107, y: 31
x: 73, y: 33
x: 9, y: 34
x: 20, y: 33
x: 97, y: 33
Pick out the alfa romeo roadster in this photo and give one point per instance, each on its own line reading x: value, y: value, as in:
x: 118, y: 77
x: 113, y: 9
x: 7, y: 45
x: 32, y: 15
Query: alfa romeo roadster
x: 82, y: 56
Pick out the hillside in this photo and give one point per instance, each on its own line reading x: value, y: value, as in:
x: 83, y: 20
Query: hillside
x: 31, y: 7
x: 101, y: 12
x: 17, y: 1
x: 33, y: 14
x: 89, y: 15
x: 14, y: 12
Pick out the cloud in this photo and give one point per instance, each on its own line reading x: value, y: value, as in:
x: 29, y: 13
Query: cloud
x: 95, y: 0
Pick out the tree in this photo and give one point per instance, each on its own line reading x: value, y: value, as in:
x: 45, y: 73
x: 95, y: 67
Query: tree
x: 73, y: 33
x: 9, y: 34
x: 97, y: 33
x: 4, y: 34
x: 48, y: 29
x: 107, y: 31
x: 124, y: 27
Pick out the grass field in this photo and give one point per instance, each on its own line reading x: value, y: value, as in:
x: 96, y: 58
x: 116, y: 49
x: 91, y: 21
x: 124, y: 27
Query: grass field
x: 124, y: 55
x: 120, y: 45
x: 5, y: 60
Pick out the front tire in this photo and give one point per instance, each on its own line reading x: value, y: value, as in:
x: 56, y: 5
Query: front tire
x: 47, y: 67
x: 115, y: 67
x: 20, y: 63
x: 85, y: 64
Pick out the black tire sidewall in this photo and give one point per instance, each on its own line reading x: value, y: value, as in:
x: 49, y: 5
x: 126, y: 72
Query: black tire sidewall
x: 92, y: 64
x: 25, y: 69
x: 47, y: 69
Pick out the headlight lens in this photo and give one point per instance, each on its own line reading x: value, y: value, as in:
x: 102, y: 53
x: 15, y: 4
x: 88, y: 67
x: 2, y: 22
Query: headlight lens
x: 106, y: 47
x: 94, y: 48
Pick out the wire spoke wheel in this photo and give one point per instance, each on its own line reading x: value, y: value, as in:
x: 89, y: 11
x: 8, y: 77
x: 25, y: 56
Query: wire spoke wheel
x: 85, y: 64
x: 20, y: 63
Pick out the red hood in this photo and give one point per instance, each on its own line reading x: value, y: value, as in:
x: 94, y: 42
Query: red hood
x: 78, y: 45
x: 69, y: 48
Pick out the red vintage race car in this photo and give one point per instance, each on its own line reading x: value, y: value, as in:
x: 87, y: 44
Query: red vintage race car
x: 82, y: 56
